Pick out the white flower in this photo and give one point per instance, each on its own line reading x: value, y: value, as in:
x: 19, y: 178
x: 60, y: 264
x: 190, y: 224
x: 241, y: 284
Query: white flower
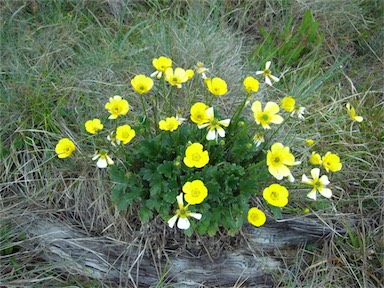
x: 319, y: 184
x: 182, y: 214
x: 112, y: 138
x: 299, y: 111
x: 258, y: 139
x: 267, y: 74
x: 103, y: 160
x: 215, y: 130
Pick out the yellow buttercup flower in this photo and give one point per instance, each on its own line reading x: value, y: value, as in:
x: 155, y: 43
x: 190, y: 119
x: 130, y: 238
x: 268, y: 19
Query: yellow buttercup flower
x: 267, y: 74
x: 309, y: 142
x: 278, y: 160
x: 216, y: 86
x: 117, y: 106
x: 198, y: 113
x: 93, y: 126
x: 318, y: 183
x: 175, y: 77
x: 269, y: 115
x: 125, y: 133
x: 256, y: 217
x: 251, y: 84
x: 182, y: 214
x: 195, y: 192
x: 64, y: 148
x: 103, y: 160
x: 161, y: 64
x: 142, y: 84
x: 169, y: 124
x: 276, y: 195
x: 214, y: 125
x: 195, y: 156
x: 315, y: 159
x: 331, y: 162
x: 190, y: 73
x: 288, y: 103
x: 352, y: 113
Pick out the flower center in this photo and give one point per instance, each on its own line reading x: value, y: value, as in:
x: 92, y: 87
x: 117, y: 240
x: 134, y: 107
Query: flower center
x: 264, y: 117
x: 276, y: 160
x: 125, y: 134
x: 142, y: 87
x: 254, y: 217
x: 274, y: 195
x: 267, y: 72
x: 317, y: 184
x: 195, y: 192
x: 116, y: 108
x: 183, y: 213
x: 196, y: 157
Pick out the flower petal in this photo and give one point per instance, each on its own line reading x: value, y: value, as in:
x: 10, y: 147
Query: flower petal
x: 268, y: 81
x: 272, y: 107
x: 225, y: 122
x: 326, y: 192
x: 256, y: 107
x: 324, y: 180
x: 274, y: 78
x: 221, y: 132
x: 211, y: 135
x: 171, y: 222
x: 183, y: 223
x: 312, y: 194
x: 304, y: 179
x: 315, y: 172
x: 195, y: 215
x: 268, y: 64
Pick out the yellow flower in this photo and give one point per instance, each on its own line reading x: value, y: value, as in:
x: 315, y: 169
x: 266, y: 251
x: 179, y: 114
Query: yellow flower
x: 352, y: 113
x: 177, y: 77
x: 276, y: 195
x: 269, y: 115
x: 182, y: 214
x: 142, y: 84
x: 103, y: 160
x: 198, y: 113
x: 93, y: 126
x: 161, y: 64
x: 214, y: 126
x: 267, y: 74
x: 125, y: 133
x: 256, y: 217
x: 64, y: 148
x: 251, y: 84
x: 190, y: 73
x: 169, y: 124
x: 195, y: 192
x: 278, y: 158
x: 288, y: 103
x: 200, y: 69
x: 117, y: 106
x: 331, y: 162
x: 309, y: 142
x: 216, y: 86
x: 315, y: 159
x: 319, y: 184
x: 195, y: 156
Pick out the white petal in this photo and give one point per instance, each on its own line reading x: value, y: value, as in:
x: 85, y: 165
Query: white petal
x: 195, y: 215
x: 268, y: 64
x: 211, y: 135
x: 297, y: 163
x: 315, y: 172
x: 274, y: 78
x: 202, y: 126
x: 304, y: 179
x: 154, y: 74
x: 259, y: 72
x: 268, y: 81
x: 96, y: 157
x: 183, y: 223
x: 110, y: 161
x: 225, y: 122
x: 324, y: 180
x: 102, y: 163
x: 210, y: 113
x: 180, y: 201
x: 221, y: 132
x: 291, y: 178
x: 326, y: 192
x: 312, y: 194
x: 171, y: 222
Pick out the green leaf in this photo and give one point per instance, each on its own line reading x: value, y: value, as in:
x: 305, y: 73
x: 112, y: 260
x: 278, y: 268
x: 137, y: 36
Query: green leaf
x: 145, y: 214
x: 167, y: 169
x: 276, y: 211
x: 117, y: 175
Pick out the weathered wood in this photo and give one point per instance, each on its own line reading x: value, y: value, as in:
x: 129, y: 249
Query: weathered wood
x: 124, y: 264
